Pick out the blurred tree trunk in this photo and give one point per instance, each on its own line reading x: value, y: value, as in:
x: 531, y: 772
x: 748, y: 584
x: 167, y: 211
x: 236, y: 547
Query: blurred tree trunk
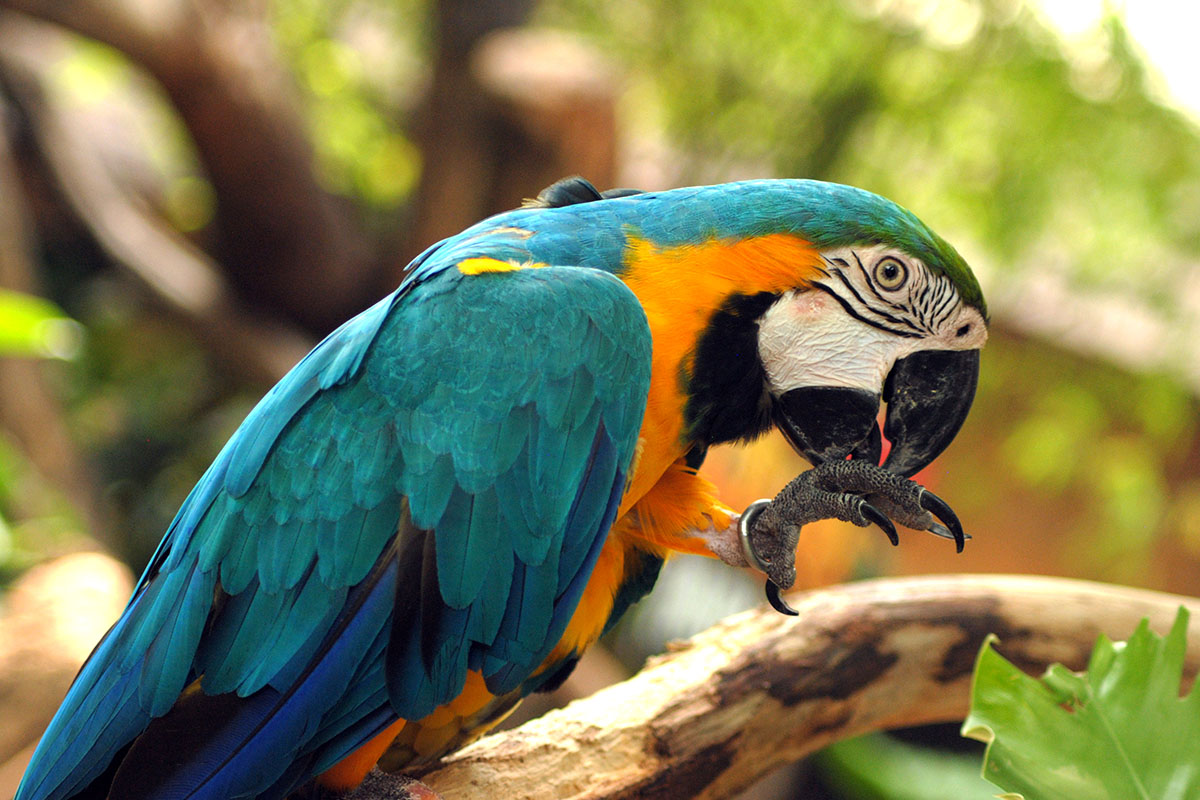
x: 504, y: 117
x: 508, y: 113
x: 455, y: 126
x: 285, y: 243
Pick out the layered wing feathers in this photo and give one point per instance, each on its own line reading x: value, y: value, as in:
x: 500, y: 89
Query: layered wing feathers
x: 489, y: 418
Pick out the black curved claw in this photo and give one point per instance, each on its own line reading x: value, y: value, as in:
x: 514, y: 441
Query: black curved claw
x: 777, y: 602
x: 937, y: 506
x: 876, y: 516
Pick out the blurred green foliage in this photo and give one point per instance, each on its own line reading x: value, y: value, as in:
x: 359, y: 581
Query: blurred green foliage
x: 92, y: 75
x: 31, y: 326
x: 151, y: 416
x: 34, y: 518
x: 360, y: 66
x: 1111, y: 445
x: 972, y: 111
x: 881, y: 767
x: 1032, y: 153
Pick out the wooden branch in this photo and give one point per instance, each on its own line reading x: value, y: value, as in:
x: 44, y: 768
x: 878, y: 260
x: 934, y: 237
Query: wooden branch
x: 761, y: 690
x: 706, y: 720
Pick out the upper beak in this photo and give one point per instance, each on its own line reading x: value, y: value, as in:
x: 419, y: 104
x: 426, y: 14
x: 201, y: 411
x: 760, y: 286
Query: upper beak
x: 928, y: 395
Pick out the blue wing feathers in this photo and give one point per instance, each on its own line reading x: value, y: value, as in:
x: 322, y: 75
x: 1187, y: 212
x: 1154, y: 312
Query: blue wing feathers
x: 168, y: 660
x: 502, y: 439
x: 428, y: 490
x: 238, y: 567
x: 254, y: 740
x: 487, y: 615
x: 113, y: 733
x: 333, y: 361
x: 216, y: 657
x: 484, y: 540
x: 282, y: 553
x: 532, y: 542
x: 512, y: 674
x: 451, y: 549
x: 378, y: 528
x: 296, y: 715
x: 365, y: 698
x: 590, y: 510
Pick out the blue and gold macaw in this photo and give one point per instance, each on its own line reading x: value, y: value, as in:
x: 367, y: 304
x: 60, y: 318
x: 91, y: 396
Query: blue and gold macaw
x: 455, y: 493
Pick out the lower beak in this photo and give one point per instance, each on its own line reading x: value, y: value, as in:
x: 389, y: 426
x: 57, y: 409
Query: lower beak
x: 827, y: 423
x: 928, y: 395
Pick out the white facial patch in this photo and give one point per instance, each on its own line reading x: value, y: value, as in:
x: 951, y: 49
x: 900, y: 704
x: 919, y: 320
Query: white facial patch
x: 873, y: 306
x: 807, y: 339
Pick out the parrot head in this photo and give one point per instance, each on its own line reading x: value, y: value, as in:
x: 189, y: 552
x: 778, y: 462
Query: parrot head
x: 891, y: 314
x: 878, y: 325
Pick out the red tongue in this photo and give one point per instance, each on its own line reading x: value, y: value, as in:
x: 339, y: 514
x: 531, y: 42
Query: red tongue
x: 872, y: 447
x: 924, y: 477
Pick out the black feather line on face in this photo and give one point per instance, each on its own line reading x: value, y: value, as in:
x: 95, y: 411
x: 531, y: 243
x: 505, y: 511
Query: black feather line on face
x: 944, y: 301
x: 727, y: 397
x: 695, y: 457
x: 889, y: 317
x: 852, y: 312
x: 946, y: 310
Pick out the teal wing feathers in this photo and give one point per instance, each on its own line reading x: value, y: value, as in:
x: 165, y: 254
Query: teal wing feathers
x: 425, y: 493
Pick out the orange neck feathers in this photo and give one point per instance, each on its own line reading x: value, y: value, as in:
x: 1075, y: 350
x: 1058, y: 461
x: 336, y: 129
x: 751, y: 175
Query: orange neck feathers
x: 680, y: 288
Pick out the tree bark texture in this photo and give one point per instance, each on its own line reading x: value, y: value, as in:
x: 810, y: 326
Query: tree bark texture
x: 705, y: 720
x: 760, y: 690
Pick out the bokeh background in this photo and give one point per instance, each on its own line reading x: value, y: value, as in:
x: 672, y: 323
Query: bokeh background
x: 192, y: 192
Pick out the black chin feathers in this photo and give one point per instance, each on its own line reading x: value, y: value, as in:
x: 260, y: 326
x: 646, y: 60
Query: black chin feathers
x: 726, y: 389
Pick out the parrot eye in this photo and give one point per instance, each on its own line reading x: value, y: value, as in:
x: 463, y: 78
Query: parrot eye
x: 890, y: 273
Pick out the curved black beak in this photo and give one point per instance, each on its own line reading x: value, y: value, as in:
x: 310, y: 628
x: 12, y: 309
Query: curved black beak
x: 928, y: 395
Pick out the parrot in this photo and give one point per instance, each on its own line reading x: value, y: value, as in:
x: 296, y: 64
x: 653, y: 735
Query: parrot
x: 456, y: 492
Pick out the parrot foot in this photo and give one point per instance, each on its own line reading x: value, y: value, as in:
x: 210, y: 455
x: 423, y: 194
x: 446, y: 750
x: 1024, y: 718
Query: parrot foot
x: 380, y: 785
x: 855, y: 491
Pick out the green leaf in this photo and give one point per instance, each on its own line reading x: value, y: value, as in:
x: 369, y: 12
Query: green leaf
x: 31, y: 326
x: 881, y: 767
x: 1120, y: 730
